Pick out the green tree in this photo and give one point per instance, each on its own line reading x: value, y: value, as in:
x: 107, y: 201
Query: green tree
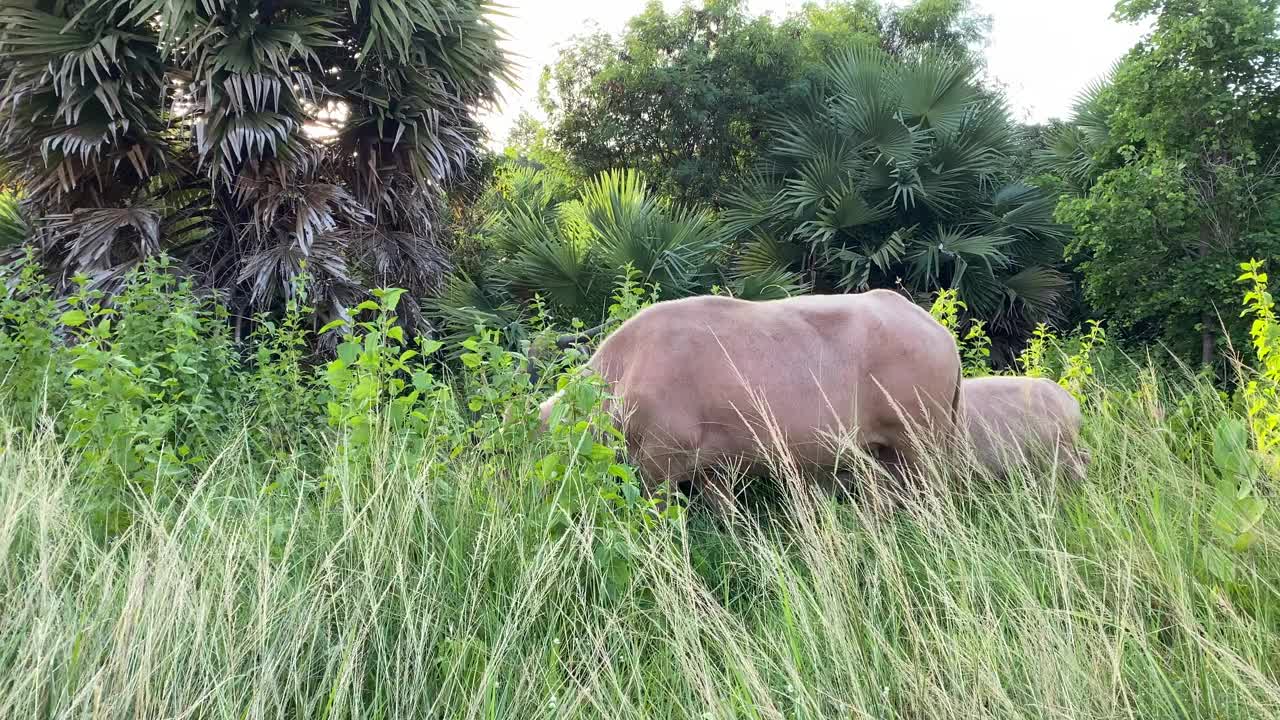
x: 686, y: 97
x: 900, y: 170
x: 530, y: 144
x: 679, y: 96
x: 245, y: 137
x: 1174, y: 164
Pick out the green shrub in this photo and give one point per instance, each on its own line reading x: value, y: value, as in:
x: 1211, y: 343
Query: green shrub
x: 281, y: 383
x: 28, y: 323
x: 510, y: 581
x: 152, y: 383
x: 429, y: 555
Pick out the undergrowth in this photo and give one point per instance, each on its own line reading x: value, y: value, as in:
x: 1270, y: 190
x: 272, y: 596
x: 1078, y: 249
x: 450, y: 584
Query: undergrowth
x: 193, y: 528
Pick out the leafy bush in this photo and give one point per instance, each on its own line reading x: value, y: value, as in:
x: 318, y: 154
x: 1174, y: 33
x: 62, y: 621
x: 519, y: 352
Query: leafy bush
x: 427, y: 527
x: 1169, y: 163
x: 151, y: 381
x: 1071, y: 362
x: 280, y: 382
x: 1262, y: 393
x: 14, y: 230
x: 374, y: 386
x: 146, y: 387
x: 28, y: 327
x: 509, y: 581
x: 973, y: 342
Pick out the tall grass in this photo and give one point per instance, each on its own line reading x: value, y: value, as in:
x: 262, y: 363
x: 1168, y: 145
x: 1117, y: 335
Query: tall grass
x: 393, y: 588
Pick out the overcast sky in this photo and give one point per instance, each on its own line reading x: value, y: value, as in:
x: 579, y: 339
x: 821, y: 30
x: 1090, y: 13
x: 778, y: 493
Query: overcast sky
x: 1044, y: 51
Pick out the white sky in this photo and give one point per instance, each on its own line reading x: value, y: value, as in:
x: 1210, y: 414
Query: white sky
x: 1044, y: 51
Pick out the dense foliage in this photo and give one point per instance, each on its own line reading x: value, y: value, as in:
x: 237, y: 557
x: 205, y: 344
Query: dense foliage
x: 1175, y: 165
x: 553, y: 247
x: 183, y: 511
x: 244, y: 138
x: 197, y: 522
x: 685, y: 97
x: 898, y: 171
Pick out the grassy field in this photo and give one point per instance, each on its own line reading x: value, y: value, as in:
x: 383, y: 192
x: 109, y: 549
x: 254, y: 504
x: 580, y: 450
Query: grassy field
x: 394, y: 587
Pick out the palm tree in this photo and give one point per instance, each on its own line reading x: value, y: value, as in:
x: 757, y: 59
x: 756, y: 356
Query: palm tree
x: 1072, y: 148
x: 571, y: 249
x: 896, y: 171
x: 13, y: 226
x: 245, y: 137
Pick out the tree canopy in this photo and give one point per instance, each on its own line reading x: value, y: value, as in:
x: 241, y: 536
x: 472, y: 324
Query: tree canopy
x: 686, y: 97
x: 1175, y: 167
x: 247, y: 138
x: 900, y: 171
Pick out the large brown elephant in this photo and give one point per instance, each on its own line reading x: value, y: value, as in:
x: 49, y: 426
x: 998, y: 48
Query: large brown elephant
x: 709, y: 379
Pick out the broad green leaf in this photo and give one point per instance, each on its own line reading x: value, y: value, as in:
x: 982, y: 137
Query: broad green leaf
x: 1244, y: 541
x: 390, y: 298
x: 1230, y: 447
x: 73, y: 318
x: 1251, y: 511
x: 631, y: 493
x: 601, y: 453
x: 348, y: 352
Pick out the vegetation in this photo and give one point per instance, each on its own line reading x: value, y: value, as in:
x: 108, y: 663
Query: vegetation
x: 550, y: 245
x: 1177, y: 168
x: 897, y: 170
x: 237, y: 480
x: 687, y: 97
x: 244, y: 138
x: 419, y: 552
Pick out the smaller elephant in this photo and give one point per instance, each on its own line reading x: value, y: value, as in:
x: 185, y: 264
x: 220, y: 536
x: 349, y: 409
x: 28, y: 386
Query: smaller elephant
x: 1013, y: 420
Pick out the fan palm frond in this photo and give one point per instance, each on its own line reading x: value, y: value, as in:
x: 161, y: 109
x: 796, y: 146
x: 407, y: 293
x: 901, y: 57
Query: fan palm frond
x: 678, y: 253
x: 806, y: 135
x: 465, y: 302
x: 816, y: 181
x: 978, y: 288
x: 773, y: 284
x: 1020, y: 209
x: 541, y: 260
x: 1032, y: 295
x: 755, y: 203
x: 846, y: 208
x: 936, y: 94
x: 670, y: 246
x: 763, y: 254
x: 14, y: 229
x: 618, y: 206
x: 96, y: 239
x: 955, y: 249
x: 859, y: 72
x: 988, y: 125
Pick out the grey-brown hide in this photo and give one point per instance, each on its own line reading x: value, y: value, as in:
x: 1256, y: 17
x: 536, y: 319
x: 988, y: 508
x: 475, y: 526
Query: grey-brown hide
x: 1014, y: 420
x: 707, y: 379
